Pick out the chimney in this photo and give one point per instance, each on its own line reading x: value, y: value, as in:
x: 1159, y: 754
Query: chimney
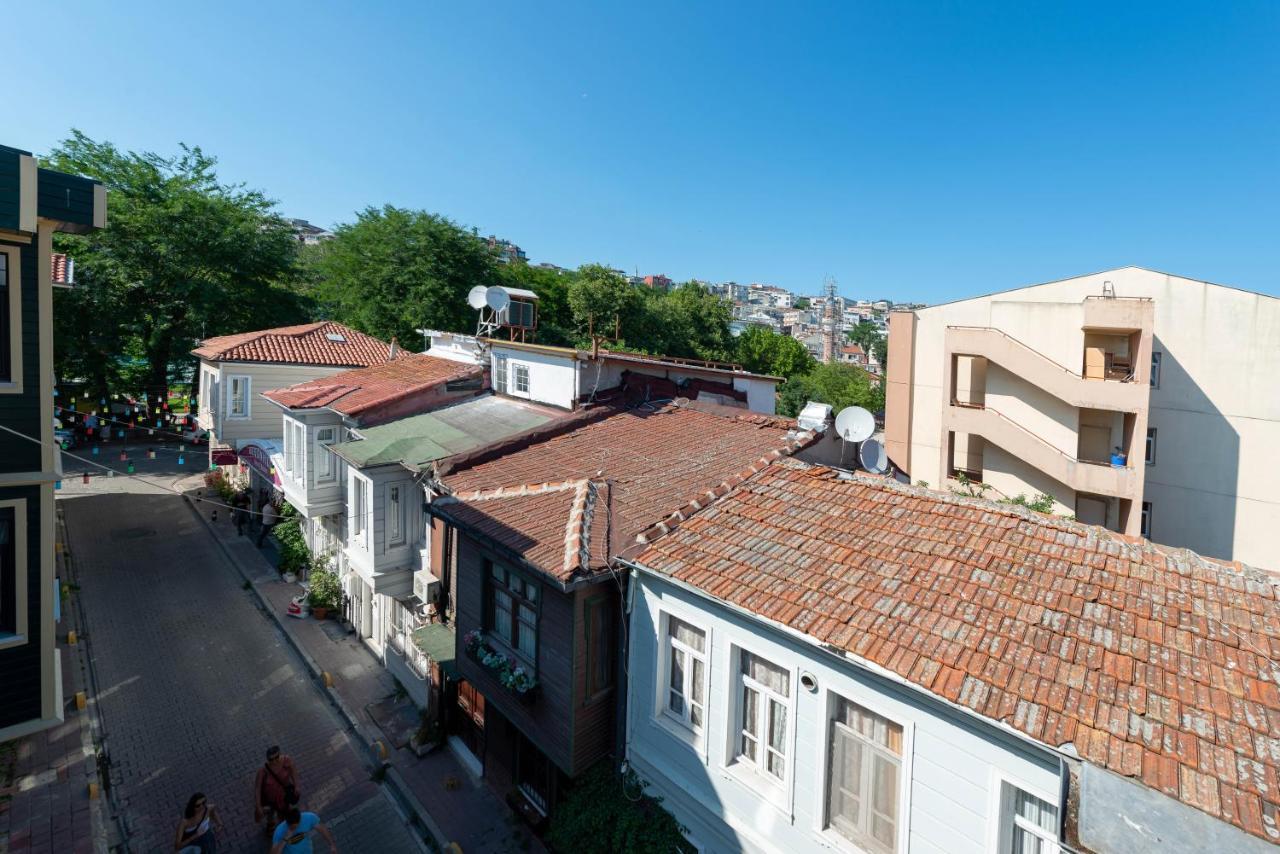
x: 394, y: 350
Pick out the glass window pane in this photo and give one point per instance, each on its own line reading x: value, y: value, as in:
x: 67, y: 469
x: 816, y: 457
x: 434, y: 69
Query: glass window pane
x: 677, y: 670
x: 777, y: 726
x: 695, y: 715
x: 695, y: 685
x: 686, y: 634
x: 1035, y: 810
x: 766, y: 673
x: 776, y: 765
x: 675, y: 703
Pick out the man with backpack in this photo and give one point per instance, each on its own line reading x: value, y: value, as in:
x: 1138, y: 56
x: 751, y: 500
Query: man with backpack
x: 275, y: 790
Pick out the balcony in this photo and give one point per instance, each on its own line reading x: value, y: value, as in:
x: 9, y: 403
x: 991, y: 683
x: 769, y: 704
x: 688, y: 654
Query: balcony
x: 1104, y: 383
x: 1099, y: 478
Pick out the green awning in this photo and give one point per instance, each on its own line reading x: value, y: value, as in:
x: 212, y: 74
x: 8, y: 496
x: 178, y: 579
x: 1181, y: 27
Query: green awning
x: 438, y: 643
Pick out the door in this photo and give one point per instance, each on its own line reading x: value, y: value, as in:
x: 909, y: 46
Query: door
x: 468, y: 722
x: 1095, y: 443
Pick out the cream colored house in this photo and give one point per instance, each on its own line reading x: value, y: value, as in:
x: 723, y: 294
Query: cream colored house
x: 1030, y: 391
x: 235, y: 371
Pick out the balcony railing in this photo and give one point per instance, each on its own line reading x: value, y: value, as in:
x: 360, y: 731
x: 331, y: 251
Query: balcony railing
x: 1043, y: 441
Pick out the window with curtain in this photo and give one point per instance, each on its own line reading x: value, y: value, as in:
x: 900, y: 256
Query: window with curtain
x: 238, y: 397
x: 1028, y: 825
x: 499, y: 372
x: 685, y: 654
x: 864, y: 768
x: 396, y: 514
x: 514, y: 610
x: 764, y: 705
x: 359, y: 510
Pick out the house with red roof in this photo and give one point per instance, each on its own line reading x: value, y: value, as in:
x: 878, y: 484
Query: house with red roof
x: 235, y: 370
x: 826, y: 661
x: 529, y: 529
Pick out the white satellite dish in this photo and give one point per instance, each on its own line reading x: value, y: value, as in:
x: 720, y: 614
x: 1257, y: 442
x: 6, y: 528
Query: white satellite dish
x: 873, y: 457
x: 496, y: 298
x: 475, y: 299
x: 855, y: 424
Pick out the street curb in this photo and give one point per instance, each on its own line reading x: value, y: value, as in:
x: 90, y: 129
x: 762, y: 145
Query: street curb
x: 400, y: 789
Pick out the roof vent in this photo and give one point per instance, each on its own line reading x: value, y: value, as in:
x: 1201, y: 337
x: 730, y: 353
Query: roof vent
x: 336, y: 336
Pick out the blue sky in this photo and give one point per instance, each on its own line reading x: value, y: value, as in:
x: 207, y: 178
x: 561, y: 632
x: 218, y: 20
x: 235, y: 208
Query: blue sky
x: 919, y: 151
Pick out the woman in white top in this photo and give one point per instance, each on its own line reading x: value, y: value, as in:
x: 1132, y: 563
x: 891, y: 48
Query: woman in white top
x: 195, y: 828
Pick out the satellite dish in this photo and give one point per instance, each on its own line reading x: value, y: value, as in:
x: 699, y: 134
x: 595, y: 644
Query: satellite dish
x: 873, y: 457
x: 496, y: 298
x: 855, y: 424
x: 475, y: 299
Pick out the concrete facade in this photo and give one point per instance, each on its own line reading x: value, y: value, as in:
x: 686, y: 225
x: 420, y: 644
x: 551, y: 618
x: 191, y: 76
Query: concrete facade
x: 1027, y: 390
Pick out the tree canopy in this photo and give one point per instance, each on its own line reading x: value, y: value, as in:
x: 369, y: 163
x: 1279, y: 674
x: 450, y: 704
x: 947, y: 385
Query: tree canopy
x: 183, y: 257
x: 837, y: 384
x: 867, y: 335
x: 394, y: 271
x: 763, y: 351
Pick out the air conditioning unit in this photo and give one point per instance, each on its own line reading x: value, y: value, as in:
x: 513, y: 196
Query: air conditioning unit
x: 426, y: 587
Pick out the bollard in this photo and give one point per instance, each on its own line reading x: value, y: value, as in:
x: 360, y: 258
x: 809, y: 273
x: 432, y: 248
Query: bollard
x: 71, y: 638
x: 80, y: 701
x: 326, y: 678
x: 93, y: 791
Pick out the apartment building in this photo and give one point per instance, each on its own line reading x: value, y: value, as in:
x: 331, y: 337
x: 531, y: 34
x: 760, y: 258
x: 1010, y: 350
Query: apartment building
x: 1139, y: 400
x: 34, y: 203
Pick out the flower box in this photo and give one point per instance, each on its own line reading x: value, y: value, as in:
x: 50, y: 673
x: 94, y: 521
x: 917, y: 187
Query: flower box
x: 505, y: 669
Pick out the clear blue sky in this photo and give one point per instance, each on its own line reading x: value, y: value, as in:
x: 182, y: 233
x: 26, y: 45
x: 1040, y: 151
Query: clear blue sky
x: 921, y: 151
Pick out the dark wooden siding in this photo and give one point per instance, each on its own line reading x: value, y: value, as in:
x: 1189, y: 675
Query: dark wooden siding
x: 9, y: 188
x: 21, y: 412
x: 546, y: 721
x: 65, y: 198
x: 20, y: 666
x: 593, y: 730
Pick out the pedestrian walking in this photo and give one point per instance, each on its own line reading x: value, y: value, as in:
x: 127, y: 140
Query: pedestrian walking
x: 195, y: 833
x: 270, y: 516
x: 240, y: 512
x: 293, y: 835
x: 276, y: 788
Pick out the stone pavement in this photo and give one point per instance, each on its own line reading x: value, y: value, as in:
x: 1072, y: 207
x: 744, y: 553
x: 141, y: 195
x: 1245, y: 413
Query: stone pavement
x: 49, y: 806
x: 192, y: 684
x: 469, y: 814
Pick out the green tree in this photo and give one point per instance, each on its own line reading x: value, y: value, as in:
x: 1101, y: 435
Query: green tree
x: 608, y: 812
x: 867, y: 335
x: 763, y: 351
x: 395, y: 271
x: 599, y: 298
x: 837, y: 384
x: 690, y: 322
x: 183, y: 257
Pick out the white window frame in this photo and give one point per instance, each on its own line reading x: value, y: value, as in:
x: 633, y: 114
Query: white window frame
x: 20, y: 635
x: 1151, y: 446
x: 517, y: 369
x: 823, y: 828
x: 758, y: 768
x: 232, y: 415
x: 326, y: 460
x: 361, y: 491
x: 1144, y: 521
x: 662, y: 709
x: 396, y: 515
x: 501, y: 371
x: 1156, y: 356
x: 13, y: 262
x: 998, y: 837
x: 300, y: 440
x: 208, y: 391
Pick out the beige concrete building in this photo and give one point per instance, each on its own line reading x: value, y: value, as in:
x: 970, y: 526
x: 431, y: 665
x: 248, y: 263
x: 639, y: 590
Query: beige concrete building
x: 1031, y: 391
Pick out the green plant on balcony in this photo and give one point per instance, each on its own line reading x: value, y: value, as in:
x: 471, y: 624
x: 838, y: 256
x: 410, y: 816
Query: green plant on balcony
x: 510, y: 673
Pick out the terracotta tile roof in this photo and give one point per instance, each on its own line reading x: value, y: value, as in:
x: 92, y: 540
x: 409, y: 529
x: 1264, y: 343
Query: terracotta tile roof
x: 1152, y: 662
x: 630, y: 470
x: 355, y: 392
x: 59, y: 269
x: 853, y: 350
x: 307, y: 344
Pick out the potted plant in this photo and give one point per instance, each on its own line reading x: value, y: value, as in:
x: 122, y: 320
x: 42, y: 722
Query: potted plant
x: 325, y: 593
x: 510, y: 673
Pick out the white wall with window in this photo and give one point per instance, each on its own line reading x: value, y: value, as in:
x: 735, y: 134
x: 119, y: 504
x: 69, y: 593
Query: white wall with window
x: 543, y: 377
x: 760, y: 741
x: 239, y: 403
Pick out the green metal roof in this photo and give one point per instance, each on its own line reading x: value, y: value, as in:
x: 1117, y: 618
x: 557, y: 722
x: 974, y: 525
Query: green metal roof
x: 438, y: 643
x: 421, y: 439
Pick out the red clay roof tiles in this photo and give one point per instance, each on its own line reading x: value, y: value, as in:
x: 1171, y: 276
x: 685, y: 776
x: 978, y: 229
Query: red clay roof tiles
x: 324, y: 343
x: 355, y: 392
x: 1154, y: 663
x: 647, y: 467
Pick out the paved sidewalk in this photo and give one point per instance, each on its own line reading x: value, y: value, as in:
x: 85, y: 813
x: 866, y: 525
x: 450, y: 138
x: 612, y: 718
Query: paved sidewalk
x: 469, y: 813
x: 48, y: 808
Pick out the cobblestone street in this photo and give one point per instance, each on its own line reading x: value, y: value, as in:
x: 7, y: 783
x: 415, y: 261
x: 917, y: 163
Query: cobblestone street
x: 193, y: 682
